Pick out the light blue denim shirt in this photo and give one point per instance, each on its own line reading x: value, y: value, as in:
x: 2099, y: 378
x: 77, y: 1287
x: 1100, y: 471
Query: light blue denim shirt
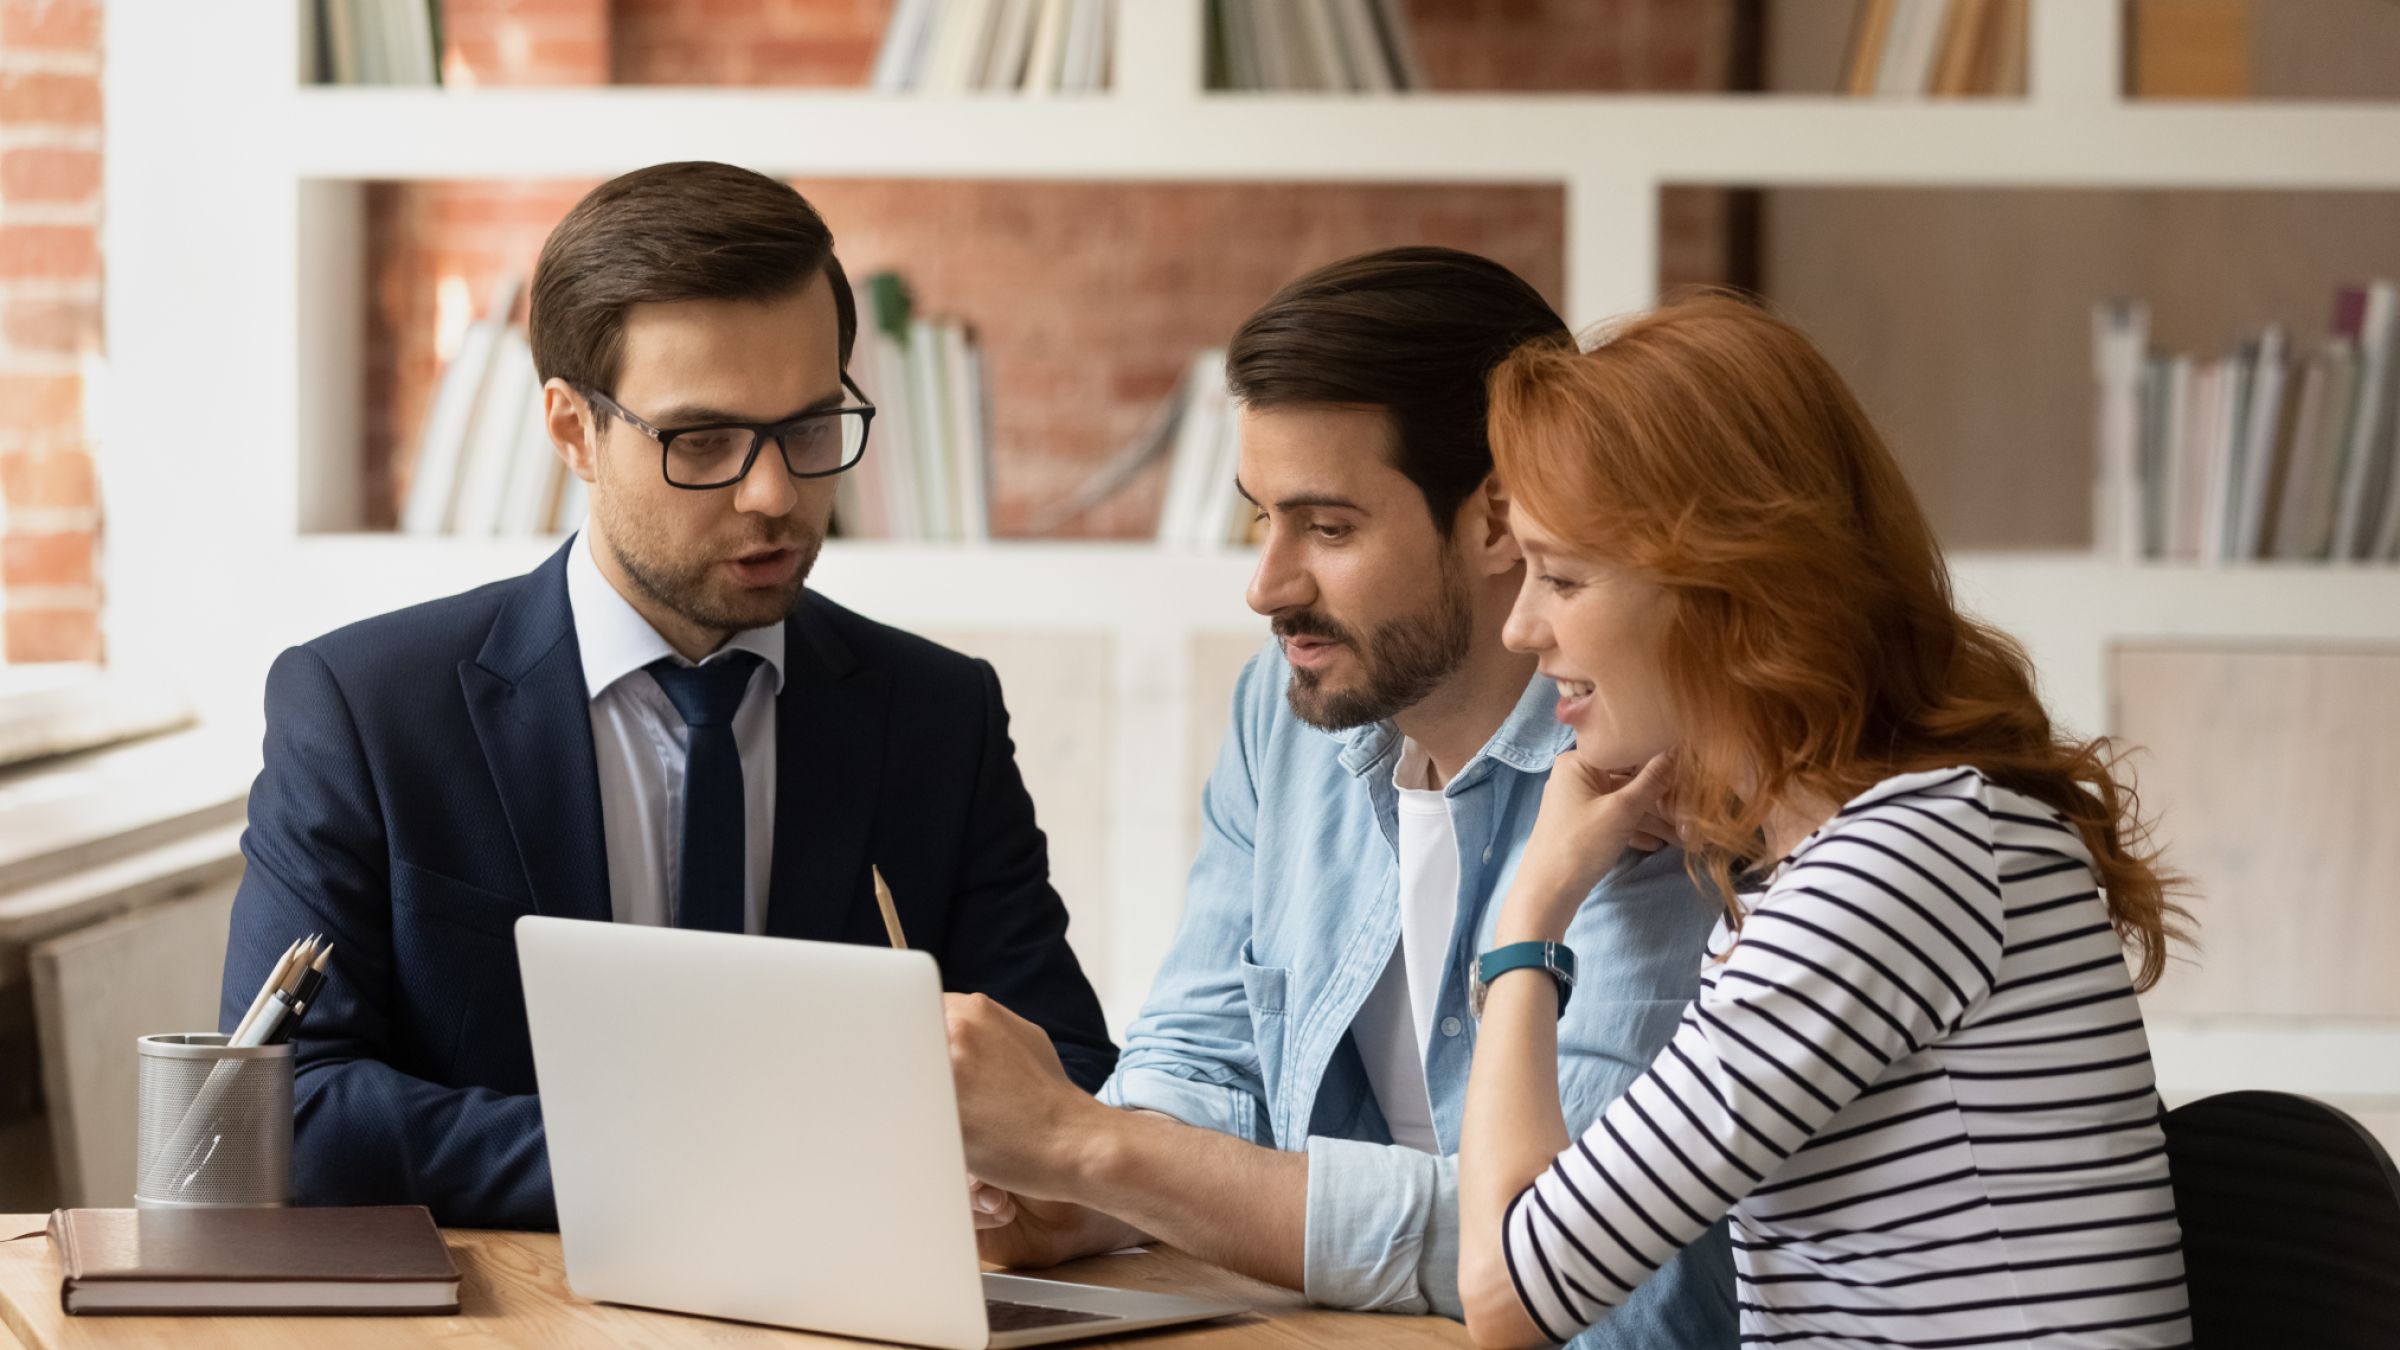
x: 1291, y: 915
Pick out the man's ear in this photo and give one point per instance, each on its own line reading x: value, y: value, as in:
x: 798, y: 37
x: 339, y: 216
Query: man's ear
x: 569, y: 424
x: 1486, y: 523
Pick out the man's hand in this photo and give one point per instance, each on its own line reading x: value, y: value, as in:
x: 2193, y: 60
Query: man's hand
x: 1022, y: 1118
x: 991, y: 1206
x: 1042, y: 1233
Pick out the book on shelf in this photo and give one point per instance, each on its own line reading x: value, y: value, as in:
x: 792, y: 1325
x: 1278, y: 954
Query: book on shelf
x: 1195, y: 432
x: 2367, y: 315
x: 376, y: 41
x: 498, y: 441
x: 1943, y: 48
x: 485, y: 467
x: 995, y: 46
x: 2187, y: 48
x: 927, y: 471
x: 1342, y: 46
x: 2261, y: 452
x: 1202, y: 510
x: 441, y: 447
x: 1153, y: 443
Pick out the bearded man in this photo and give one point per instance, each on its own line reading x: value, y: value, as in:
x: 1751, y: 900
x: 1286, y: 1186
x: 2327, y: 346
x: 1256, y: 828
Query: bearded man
x: 1288, y: 1102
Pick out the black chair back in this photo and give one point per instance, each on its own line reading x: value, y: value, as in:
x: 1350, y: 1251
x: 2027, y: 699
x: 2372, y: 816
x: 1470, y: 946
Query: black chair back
x: 2291, y: 1224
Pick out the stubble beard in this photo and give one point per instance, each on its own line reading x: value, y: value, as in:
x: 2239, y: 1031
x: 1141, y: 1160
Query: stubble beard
x: 1402, y: 659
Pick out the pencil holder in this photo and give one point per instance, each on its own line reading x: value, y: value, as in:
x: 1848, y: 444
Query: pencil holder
x: 216, y: 1127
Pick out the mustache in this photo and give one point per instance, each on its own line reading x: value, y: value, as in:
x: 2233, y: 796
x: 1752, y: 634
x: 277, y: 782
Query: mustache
x: 799, y: 542
x: 1309, y: 624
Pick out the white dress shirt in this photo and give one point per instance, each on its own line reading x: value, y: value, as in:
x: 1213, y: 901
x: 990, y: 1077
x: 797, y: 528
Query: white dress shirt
x: 638, y: 742
x: 1395, y: 1024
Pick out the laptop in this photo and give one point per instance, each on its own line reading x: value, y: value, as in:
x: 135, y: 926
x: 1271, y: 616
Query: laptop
x: 763, y: 1129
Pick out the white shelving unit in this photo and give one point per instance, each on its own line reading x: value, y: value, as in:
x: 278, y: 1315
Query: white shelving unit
x: 236, y: 316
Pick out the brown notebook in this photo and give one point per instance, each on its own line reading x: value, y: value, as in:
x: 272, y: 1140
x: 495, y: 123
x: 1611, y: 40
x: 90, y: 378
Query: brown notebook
x: 379, y: 1259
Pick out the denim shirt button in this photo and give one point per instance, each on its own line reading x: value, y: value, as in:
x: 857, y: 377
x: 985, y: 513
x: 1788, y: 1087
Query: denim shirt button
x: 1450, y: 1026
x: 1487, y: 852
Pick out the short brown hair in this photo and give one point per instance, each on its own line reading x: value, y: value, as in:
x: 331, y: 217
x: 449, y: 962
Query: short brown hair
x: 688, y: 231
x: 1412, y: 331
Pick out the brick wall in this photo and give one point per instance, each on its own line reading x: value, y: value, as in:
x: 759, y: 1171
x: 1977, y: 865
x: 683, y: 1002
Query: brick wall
x: 1089, y: 298
x: 1083, y: 340
x: 49, y: 327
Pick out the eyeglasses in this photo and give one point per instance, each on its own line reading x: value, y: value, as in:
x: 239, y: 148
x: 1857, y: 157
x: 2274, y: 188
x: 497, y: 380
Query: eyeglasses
x: 813, y: 445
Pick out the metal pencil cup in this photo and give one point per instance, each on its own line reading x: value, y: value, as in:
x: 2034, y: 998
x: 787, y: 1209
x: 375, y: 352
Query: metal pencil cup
x: 216, y: 1129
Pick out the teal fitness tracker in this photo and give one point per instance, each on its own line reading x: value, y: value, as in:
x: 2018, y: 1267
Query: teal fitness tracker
x: 1550, y: 956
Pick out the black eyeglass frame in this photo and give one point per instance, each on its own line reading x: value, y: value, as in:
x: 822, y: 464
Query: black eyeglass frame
x: 760, y: 434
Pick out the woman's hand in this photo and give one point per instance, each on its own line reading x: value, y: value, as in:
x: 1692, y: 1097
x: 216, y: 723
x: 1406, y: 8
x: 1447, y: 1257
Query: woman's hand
x: 1589, y: 817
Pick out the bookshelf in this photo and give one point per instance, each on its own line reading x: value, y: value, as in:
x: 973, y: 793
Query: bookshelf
x: 235, y: 308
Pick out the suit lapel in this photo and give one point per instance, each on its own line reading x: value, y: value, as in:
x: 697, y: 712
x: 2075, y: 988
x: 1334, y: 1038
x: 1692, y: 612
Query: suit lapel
x: 829, y: 726
x: 526, y: 698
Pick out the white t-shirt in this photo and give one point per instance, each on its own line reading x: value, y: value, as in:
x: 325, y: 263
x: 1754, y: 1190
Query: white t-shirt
x: 1395, y: 1024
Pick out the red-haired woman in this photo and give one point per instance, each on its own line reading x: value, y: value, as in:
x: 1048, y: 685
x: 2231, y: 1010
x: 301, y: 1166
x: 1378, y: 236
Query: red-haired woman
x: 1915, y: 1077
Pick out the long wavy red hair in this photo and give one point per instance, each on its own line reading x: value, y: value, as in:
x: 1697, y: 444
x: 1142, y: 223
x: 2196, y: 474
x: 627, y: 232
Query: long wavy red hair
x: 1815, y: 647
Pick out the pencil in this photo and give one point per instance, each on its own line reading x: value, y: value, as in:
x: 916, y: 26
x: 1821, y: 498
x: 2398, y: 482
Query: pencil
x: 891, y: 916
x: 266, y: 991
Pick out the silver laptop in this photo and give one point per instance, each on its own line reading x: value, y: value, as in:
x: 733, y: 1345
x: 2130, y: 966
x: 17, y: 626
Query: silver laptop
x: 763, y: 1129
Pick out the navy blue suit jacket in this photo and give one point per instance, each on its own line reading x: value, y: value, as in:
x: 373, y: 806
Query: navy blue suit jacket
x: 429, y: 778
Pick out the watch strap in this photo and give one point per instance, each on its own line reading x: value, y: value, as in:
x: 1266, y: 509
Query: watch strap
x: 1553, y: 957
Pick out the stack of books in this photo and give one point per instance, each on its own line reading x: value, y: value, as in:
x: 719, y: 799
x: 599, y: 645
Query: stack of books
x: 1352, y: 46
x: 1202, y: 509
x: 927, y: 469
x: 376, y: 41
x: 1009, y: 46
x: 485, y: 466
x: 2260, y: 453
x: 1912, y: 48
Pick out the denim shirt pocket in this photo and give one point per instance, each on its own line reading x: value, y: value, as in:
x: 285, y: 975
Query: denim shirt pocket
x: 1264, y: 989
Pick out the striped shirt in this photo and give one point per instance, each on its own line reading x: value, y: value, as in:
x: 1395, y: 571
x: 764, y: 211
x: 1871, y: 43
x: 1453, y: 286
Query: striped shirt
x: 1918, y: 1081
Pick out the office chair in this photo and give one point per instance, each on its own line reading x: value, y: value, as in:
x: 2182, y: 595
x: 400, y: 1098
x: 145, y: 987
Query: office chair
x: 2291, y: 1224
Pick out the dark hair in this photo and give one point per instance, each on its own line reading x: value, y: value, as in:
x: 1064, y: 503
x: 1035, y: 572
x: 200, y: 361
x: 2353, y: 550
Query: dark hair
x: 1413, y: 331
x: 687, y: 231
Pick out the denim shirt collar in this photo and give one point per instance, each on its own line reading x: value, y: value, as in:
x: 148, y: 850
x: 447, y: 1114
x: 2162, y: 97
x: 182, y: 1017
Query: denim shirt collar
x: 1527, y: 742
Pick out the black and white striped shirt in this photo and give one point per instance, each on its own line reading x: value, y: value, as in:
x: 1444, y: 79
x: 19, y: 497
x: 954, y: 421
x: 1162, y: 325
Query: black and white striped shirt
x: 1919, y: 1083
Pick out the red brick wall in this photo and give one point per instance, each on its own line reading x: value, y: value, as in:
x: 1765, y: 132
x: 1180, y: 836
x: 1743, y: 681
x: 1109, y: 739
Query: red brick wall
x: 528, y: 42
x: 1089, y: 298
x: 1615, y: 46
x: 1083, y: 340
x: 787, y: 42
x: 49, y: 327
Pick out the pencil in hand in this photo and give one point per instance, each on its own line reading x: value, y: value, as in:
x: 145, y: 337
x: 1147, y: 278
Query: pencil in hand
x: 891, y: 916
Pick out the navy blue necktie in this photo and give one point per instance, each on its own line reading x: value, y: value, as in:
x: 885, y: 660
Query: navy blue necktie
x: 710, y: 894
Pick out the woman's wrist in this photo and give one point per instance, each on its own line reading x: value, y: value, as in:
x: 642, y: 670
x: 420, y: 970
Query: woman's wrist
x: 1531, y: 923
x: 1538, y: 908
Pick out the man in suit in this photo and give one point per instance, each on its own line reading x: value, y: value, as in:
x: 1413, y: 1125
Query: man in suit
x: 661, y: 724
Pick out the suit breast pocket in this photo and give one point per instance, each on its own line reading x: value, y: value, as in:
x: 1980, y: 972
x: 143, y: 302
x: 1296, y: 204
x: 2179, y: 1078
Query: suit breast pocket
x: 454, y: 971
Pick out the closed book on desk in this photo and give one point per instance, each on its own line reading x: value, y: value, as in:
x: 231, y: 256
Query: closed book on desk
x: 375, y: 1259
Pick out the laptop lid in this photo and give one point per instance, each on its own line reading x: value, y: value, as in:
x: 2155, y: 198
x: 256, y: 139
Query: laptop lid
x: 693, y: 1085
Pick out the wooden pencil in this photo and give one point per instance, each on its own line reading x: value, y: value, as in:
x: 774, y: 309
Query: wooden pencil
x: 891, y: 916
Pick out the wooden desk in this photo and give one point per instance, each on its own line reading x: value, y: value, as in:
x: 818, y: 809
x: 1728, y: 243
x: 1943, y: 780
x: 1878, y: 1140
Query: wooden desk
x: 514, y: 1293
